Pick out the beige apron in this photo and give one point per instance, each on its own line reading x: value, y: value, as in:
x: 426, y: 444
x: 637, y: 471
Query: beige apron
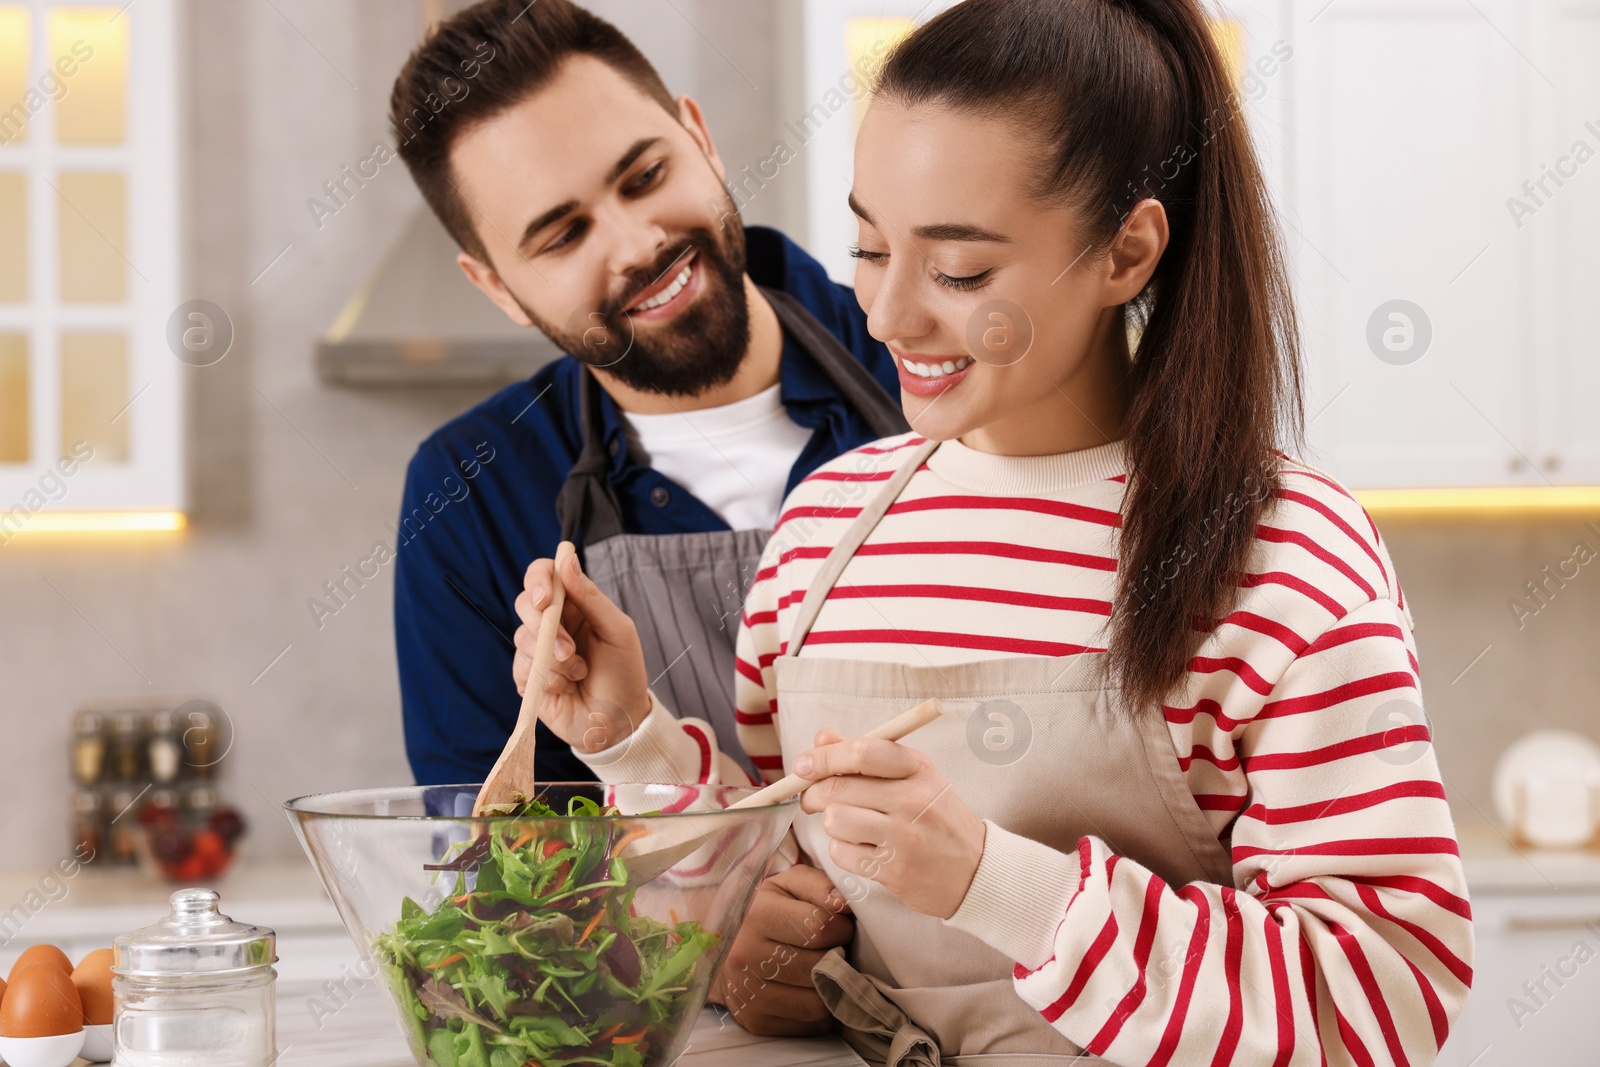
x: 1066, y: 762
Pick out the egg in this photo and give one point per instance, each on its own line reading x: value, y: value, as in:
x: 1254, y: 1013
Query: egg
x: 42, y: 954
x: 93, y: 979
x: 41, y: 1001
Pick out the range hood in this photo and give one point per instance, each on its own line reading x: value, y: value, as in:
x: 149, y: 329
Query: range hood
x: 418, y: 321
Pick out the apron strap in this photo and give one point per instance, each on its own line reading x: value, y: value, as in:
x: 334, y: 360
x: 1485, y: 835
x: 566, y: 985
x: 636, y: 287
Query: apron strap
x: 859, y: 389
x: 587, y: 504
x: 854, y: 538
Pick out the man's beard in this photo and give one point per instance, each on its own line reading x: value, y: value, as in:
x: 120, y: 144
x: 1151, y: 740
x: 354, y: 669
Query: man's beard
x: 700, y: 349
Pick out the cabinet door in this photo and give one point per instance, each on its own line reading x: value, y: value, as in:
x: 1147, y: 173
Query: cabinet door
x: 1535, y: 985
x: 1557, y: 216
x: 1405, y: 126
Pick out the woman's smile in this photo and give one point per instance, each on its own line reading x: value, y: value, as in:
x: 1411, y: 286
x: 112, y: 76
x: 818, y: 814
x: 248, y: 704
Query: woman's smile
x: 923, y: 374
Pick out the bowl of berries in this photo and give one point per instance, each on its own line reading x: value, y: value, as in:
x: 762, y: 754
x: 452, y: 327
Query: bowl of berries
x: 187, y: 845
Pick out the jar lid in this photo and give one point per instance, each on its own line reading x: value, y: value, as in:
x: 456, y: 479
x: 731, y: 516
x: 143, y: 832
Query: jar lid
x: 128, y: 722
x: 195, y: 940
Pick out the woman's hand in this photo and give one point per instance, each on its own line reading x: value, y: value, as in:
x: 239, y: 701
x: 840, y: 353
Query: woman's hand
x: 596, y: 692
x: 893, y: 818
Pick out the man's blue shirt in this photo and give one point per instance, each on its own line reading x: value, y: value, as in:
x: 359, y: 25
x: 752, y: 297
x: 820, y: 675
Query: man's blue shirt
x: 479, y: 506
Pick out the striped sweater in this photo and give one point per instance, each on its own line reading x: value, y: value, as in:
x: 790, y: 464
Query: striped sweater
x: 1345, y: 936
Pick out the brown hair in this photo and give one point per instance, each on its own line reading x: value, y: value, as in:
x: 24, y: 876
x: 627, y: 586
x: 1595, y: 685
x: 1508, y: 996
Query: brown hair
x: 1129, y: 100
x: 481, y: 61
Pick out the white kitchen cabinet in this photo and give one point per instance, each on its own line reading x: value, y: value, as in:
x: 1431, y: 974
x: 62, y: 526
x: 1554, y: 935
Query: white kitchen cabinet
x: 1394, y: 135
x: 1405, y: 138
x: 1564, y: 153
x: 1536, y: 984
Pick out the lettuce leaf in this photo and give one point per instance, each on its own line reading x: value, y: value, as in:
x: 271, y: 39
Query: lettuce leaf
x: 535, y: 957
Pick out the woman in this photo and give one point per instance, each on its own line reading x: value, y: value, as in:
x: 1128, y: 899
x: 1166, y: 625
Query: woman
x: 1187, y: 810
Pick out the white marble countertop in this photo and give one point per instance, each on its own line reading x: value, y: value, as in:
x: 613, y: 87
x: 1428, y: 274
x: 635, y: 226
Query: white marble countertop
x: 362, y: 1033
x: 285, y: 896
x: 1497, y: 865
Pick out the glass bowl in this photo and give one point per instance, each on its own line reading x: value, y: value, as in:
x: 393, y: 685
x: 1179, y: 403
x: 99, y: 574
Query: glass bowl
x: 515, y: 940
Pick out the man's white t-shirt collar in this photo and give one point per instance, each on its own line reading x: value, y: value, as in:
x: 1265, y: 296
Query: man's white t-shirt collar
x: 736, y: 457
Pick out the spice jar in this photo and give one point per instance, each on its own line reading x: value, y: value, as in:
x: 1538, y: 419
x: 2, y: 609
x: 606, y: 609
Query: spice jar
x: 122, y: 834
x: 200, y: 802
x: 201, y: 723
x: 164, y: 748
x: 88, y: 748
x: 88, y: 824
x: 127, y: 747
x: 195, y: 990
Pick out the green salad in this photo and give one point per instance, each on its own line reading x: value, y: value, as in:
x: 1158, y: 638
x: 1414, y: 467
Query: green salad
x: 540, y: 960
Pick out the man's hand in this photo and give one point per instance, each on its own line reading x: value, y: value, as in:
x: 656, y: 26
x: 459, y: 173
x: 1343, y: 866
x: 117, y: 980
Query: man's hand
x: 796, y: 916
x: 597, y: 690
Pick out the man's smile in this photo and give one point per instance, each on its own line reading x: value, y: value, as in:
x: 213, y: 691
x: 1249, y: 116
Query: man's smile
x: 670, y: 294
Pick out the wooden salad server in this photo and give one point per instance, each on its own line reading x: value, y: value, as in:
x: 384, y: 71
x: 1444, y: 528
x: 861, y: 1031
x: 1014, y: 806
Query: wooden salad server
x: 675, y: 837
x: 513, y: 778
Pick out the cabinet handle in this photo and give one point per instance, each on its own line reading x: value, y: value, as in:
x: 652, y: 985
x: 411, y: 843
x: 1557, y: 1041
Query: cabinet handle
x: 1516, y: 463
x: 1553, y: 922
x: 1552, y: 463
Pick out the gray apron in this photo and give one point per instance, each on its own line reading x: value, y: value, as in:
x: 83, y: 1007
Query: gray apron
x: 685, y: 592
x: 914, y: 992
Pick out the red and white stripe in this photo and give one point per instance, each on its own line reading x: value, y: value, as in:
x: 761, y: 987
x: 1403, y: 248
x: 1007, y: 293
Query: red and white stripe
x: 1345, y: 937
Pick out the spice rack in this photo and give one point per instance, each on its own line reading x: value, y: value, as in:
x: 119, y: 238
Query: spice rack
x: 135, y: 768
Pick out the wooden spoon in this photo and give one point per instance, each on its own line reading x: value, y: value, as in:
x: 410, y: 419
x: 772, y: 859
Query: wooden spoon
x: 514, y: 772
x: 662, y: 849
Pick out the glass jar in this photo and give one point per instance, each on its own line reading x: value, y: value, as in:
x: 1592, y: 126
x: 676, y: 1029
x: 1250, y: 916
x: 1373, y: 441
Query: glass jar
x: 127, y: 747
x: 200, y: 802
x: 195, y: 990
x: 88, y: 748
x: 122, y: 833
x: 205, y: 737
x: 164, y: 748
x: 88, y: 824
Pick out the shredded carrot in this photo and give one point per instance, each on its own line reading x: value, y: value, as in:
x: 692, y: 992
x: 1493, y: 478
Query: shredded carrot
x: 632, y: 835
x: 628, y: 1039
x: 524, y: 839
x: 674, y: 913
x: 587, y: 930
x: 462, y: 899
x: 613, y: 1028
x: 447, y: 961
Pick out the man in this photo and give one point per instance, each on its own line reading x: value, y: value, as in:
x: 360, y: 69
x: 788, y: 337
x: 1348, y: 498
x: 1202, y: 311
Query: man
x: 709, y: 370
